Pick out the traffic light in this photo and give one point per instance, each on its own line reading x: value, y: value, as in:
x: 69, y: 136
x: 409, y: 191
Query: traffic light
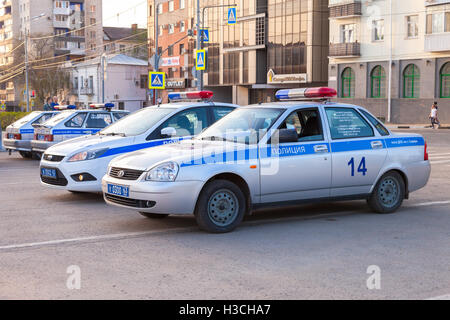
x: 33, y: 94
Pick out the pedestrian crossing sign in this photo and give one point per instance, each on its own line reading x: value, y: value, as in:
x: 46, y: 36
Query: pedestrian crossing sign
x: 157, y: 80
x: 205, y: 35
x: 232, y: 16
x: 200, y: 62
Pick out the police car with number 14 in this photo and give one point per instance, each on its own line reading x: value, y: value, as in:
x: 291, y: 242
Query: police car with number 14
x: 80, y: 164
x: 273, y: 154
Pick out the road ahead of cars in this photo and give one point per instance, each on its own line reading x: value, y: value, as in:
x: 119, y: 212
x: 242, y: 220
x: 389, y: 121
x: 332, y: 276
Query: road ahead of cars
x: 319, y: 251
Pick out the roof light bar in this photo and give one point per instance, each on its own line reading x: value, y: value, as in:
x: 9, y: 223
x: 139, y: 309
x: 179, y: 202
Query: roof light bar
x: 191, y: 95
x: 69, y: 107
x: 102, y: 106
x: 306, y: 93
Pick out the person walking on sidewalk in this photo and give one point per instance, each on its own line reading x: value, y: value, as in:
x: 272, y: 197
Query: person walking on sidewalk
x: 434, y: 116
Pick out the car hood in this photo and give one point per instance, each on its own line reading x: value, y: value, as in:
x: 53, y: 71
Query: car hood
x: 92, y: 142
x: 185, y: 153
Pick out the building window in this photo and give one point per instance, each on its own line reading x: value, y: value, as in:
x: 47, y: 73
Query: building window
x: 182, y: 49
x: 171, y: 28
x: 378, y: 30
x: 412, y: 25
x: 182, y: 4
x: 160, y: 8
x: 182, y: 26
x: 161, y: 30
x: 144, y: 81
x: 171, y: 6
x: 348, y: 33
x: 348, y: 83
x: 411, y: 82
x: 445, y: 81
x: 170, y: 51
x: 378, y: 82
x: 438, y: 22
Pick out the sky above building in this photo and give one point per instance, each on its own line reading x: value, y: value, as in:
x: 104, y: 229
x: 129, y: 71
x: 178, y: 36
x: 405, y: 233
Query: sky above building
x: 123, y: 13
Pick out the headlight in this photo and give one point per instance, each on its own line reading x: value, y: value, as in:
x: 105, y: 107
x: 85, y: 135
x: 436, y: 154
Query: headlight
x: 87, y: 155
x: 166, y: 172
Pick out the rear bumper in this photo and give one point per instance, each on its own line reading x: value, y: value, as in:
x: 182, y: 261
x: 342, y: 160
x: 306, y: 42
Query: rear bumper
x: 418, y: 175
x: 18, y: 145
x: 41, y: 146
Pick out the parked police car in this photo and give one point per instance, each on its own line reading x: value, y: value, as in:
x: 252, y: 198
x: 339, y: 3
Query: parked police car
x: 72, y: 123
x: 272, y: 154
x: 19, y: 134
x: 80, y: 164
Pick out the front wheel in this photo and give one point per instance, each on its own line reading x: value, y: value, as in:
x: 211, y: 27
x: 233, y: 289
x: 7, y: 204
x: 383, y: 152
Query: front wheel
x: 388, y: 194
x: 221, y: 207
x: 25, y: 154
x: 154, y: 216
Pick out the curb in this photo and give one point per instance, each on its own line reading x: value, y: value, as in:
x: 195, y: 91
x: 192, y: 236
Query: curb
x: 417, y: 127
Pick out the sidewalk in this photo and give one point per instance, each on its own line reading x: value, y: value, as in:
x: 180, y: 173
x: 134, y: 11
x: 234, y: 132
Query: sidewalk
x: 414, y: 126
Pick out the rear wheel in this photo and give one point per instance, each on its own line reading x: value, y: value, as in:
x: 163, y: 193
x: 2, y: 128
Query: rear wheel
x: 25, y: 154
x: 154, y: 216
x: 388, y: 194
x: 221, y: 207
x: 36, y: 155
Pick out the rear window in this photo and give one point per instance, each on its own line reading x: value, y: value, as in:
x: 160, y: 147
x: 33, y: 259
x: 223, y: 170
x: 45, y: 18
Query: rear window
x: 377, y: 124
x: 346, y: 123
x: 58, y: 118
x: 26, y: 119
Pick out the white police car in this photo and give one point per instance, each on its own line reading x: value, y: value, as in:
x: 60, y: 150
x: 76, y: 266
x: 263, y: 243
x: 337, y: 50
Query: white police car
x: 80, y: 164
x: 72, y: 123
x: 19, y: 134
x: 272, y: 154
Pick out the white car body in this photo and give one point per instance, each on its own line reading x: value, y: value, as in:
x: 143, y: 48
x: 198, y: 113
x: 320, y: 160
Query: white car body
x: 304, y: 171
x: 68, y: 173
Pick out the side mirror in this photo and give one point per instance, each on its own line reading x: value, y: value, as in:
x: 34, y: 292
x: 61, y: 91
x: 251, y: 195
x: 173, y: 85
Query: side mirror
x: 285, y: 136
x: 168, y: 132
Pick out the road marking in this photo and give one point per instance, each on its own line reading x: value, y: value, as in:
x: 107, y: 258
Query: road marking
x: 440, y: 162
x: 438, y: 157
x: 438, y: 154
x: 444, y: 297
x: 125, y: 236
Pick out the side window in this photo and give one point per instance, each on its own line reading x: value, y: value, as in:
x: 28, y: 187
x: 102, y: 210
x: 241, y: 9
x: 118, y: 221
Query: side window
x: 377, y: 124
x: 188, y: 123
x: 76, y: 121
x: 307, y: 124
x: 346, y: 123
x: 220, y: 112
x: 119, y: 115
x: 98, y: 120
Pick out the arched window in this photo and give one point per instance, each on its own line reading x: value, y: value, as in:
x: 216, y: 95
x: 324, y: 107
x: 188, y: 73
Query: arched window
x: 348, y: 83
x: 445, y: 81
x: 411, y: 82
x: 378, y: 83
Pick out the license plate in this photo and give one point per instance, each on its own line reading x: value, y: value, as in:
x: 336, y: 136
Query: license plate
x: 41, y: 137
x: 120, y: 191
x: 50, y: 173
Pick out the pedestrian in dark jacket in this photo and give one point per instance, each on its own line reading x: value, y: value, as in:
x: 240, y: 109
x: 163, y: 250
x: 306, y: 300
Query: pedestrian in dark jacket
x: 47, y: 105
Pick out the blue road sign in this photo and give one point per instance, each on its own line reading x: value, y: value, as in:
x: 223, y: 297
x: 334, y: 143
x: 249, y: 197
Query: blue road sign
x: 232, y: 16
x: 205, y: 35
x: 200, y: 62
x: 157, y: 80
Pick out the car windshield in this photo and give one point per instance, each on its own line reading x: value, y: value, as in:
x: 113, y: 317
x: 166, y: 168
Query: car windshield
x: 244, y: 125
x: 26, y: 119
x: 138, y: 122
x: 58, y: 118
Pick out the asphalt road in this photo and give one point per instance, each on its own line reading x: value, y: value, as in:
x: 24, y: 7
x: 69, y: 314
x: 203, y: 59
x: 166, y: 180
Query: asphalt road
x: 320, y: 251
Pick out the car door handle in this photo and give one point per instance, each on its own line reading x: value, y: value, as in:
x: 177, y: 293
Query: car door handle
x: 321, y: 149
x: 377, y: 145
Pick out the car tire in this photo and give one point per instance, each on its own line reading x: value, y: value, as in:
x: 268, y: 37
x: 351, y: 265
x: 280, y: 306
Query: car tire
x: 389, y: 193
x: 214, y: 219
x: 36, y: 155
x: 154, y: 216
x: 26, y: 154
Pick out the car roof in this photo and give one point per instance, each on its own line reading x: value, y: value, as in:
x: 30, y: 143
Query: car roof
x: 190, y: 104
x: 301, y: 104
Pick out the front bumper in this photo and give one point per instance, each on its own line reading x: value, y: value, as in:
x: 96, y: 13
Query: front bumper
x: 18, y: 145
x: 177, y: 198
x: 41, y: 146
x: 96, y: 168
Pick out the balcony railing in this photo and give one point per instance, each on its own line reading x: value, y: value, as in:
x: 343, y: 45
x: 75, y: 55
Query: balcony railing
x: 438, y: 42
x: 87, y: 91
x: 352, y: 49
x: 350, y: 9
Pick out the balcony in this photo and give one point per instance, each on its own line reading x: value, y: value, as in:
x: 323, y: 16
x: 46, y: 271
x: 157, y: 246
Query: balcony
x: 87, y: 91
x: 345, y: 50
x: 61, y: 24
x: 62, y: 11
x: 345, y: 9
x: 438, y: 42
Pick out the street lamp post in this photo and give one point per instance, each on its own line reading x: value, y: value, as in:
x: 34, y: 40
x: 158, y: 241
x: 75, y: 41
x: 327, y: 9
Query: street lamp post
x: 27, y: 87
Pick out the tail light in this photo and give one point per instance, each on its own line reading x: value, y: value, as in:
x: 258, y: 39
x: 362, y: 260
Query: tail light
x: 48, y: 138
x: 17, y: 136
x: 425, y: 155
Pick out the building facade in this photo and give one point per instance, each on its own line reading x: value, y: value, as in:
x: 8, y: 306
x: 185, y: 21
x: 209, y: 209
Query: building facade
x: 275, y: 44
x: 369, y: 50
x: 125, y: 82
x: 72, y: 29
x: 129, y: 41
